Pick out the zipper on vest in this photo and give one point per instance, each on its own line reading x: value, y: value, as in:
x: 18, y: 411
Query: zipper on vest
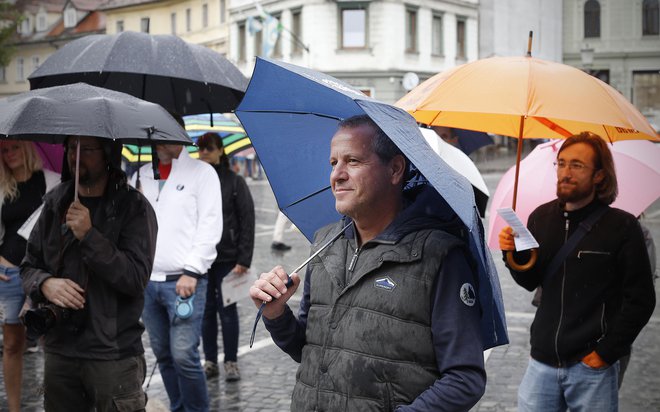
x: 561, y: 303
x: 354, y: 259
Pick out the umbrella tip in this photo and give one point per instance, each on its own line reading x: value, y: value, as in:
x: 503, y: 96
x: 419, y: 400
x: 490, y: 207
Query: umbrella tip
x: 529, y: 44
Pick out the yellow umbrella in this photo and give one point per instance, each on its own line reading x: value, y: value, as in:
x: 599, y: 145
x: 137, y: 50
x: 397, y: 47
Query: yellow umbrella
x: 525, y: 97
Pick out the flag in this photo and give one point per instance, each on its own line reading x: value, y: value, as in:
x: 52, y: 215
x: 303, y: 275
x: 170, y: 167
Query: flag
x: 253, y: 25
x: 271, y: 31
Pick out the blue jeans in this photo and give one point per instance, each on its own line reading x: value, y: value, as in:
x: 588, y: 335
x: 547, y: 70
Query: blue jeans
x: 228, y: 317
x: 579, y: 388
x: 11, y: 296
x: 174, y: 342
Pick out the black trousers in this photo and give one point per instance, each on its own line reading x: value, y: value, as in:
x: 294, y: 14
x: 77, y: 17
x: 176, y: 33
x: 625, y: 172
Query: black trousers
x: 73, y: 384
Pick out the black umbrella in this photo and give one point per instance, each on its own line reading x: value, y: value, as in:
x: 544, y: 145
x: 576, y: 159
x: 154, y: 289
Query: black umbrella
x: 182, y: 77
x: 52, y: 114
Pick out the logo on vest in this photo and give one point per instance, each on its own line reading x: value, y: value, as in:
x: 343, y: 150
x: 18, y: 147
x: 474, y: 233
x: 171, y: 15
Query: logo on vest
x: 179, y: 187
x: 385, y: 283
x: 467, y: 294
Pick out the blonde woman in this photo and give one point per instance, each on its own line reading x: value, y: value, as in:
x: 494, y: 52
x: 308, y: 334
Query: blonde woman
x: 22, y: 185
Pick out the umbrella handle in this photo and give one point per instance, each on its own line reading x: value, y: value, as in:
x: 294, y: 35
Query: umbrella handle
x: 521, y: 267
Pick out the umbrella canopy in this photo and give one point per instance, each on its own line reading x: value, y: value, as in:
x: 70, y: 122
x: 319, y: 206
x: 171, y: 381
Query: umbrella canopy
x: 528, y: 98
x: 469, y: 140
x: 291, y: 114
x: 460, y: 162
x: 637, y: 164
x: 51, y: 155
x: 233, y: 137
x: 182, y: 77
x: 50, y: 115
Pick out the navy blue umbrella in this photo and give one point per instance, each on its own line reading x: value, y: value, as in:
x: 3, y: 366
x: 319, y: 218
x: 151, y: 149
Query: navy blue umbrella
x: 291, y: 114
x: 470, y: 140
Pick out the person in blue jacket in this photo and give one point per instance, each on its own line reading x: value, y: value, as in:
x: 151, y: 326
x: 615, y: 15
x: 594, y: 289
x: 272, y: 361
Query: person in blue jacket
x: 389, y: 318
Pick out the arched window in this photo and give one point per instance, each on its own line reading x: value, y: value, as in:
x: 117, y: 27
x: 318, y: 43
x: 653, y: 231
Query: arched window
x: 650, y: 17
x: 592, y: 18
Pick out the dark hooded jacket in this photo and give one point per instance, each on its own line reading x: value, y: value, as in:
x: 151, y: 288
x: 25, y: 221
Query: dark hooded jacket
x: 237, y: 242
x: 393, y: 324
x: 112, y: 263
x: 602, y: 295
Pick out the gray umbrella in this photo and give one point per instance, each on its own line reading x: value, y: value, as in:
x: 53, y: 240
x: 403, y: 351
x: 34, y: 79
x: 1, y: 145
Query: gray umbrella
x: 182, y: 77
x: 53, y: 113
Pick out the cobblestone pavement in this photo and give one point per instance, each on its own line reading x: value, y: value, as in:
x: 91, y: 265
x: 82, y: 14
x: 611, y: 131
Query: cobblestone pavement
x: 268, y: 375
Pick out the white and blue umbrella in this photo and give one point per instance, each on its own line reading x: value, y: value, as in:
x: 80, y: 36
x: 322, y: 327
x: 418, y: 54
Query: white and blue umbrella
x: 291, y: 114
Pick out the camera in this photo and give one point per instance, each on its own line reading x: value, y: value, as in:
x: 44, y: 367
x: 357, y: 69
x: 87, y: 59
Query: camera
x: 40, y: 320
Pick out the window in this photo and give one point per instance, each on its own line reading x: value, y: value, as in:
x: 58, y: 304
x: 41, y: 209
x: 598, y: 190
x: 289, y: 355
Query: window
x: 70, y: 17
x: 650, y: 18
x: 173, y: 23
x: 188, y: 22
x: 592, y: 18
x: 41, y: 21
x: 411, y: 30
x: 144, y: 24
x: 437, y: 48
x: 646, y: 85
x: 296, y: 32
x: 353, y: 27
x: 20, y: 70
x: 223, y: 11
x: 35, y: 63
x: 3, y: 74
x: 205, y: 15
x: 241, y: 42
x: 25, y: 26
x: 120, y: 26
x: 460, y: 39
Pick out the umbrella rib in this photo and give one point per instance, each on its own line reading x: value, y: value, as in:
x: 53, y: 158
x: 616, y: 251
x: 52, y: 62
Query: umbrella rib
x: 307, y: 197
x: 293, y: 112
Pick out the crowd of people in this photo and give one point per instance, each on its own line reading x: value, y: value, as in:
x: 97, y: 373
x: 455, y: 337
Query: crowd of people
x: 390, y: 312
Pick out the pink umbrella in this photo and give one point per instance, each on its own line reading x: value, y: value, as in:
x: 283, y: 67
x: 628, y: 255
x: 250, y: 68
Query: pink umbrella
x: 51, y: 155
x: 637, y: 164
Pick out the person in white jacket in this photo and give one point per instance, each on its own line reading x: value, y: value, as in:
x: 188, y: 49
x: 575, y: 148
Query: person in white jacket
x: 188, y: 204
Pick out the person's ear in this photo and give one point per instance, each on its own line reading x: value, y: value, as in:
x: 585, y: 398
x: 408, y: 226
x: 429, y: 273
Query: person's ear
x: 397, y: 169
x: 599, y: 176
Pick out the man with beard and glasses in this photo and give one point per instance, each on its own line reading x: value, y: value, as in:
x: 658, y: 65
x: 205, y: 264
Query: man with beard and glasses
x: 87, y: 265
x: 597, y: 294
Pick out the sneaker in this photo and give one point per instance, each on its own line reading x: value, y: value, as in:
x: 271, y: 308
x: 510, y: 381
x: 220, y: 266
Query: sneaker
x: 211, y: 369
x: 232, y: 374
x: 279, y: 246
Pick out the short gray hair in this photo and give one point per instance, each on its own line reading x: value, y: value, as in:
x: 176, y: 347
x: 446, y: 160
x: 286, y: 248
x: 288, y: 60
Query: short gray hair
x: 382, y: 145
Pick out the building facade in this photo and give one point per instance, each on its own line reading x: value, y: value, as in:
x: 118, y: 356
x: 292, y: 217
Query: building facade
x: 197, y: 21
x: 368, y: 44
x: 47, y: 25
x: 617, y: 41
x: 504, y: 27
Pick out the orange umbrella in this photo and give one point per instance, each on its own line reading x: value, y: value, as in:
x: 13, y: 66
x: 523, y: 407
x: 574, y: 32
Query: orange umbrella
x: 525, y: 97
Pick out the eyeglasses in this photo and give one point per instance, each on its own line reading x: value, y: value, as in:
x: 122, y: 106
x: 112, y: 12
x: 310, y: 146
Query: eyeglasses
x: 572, y: 166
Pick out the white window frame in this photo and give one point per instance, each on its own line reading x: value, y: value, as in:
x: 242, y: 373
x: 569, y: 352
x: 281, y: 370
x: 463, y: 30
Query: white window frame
x: 70, y: 17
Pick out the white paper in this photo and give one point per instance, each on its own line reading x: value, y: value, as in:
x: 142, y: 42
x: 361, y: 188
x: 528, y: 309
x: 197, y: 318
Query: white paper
x: 236, y: 287
x: 523, y: 239
x: 25, y: 230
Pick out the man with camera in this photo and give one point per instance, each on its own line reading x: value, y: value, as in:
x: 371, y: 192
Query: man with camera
x: 87, y: 264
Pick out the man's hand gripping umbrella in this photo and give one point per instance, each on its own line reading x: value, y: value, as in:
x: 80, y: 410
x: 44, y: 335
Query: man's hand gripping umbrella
x: 277, y: 286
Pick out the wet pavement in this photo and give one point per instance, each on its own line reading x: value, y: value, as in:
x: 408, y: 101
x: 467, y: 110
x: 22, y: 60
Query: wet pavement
x: 268, y: 375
